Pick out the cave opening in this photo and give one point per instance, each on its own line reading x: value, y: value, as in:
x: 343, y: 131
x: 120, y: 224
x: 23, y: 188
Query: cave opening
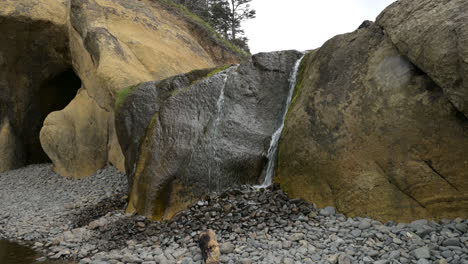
x: 54, y: 94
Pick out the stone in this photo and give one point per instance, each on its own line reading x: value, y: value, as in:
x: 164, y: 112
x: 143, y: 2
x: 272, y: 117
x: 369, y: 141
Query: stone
x: 333, y: 259
x: 286, y: 244
x: 328, y: 211
x: 382, y: 261
x: 461, y: 227
x: 423, y: 261
x: 97, y: 223
x: 343, y: 259
x: 357, y: 132
x: 447, y: 254
x: 227, y: 248
x: 422, y: 253
x: 394, y: 254
x: 131, y: 259
x: 364, y: 225
x: 296, y: 237
x: 356, y: 232
x: 451, y: 242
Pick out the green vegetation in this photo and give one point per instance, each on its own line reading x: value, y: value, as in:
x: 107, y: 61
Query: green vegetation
x: 198, y: 75
x: 300, y: 77
x: 123, y: 94
x: 182, y: 10
x: 215, y: 71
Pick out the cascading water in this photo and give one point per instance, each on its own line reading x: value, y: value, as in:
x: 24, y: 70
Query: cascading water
x: 272, y: 155
x: 219, y: 108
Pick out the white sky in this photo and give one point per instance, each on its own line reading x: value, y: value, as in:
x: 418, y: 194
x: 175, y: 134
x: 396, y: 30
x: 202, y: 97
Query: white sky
x: 306, y: 24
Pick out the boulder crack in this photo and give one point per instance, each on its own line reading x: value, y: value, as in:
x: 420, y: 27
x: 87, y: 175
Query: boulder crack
x: 390, y: 181
x: 429, y: 164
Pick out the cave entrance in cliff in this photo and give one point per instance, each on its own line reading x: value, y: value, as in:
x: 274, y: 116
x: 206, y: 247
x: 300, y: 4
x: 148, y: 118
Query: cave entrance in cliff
x: 54, y: 94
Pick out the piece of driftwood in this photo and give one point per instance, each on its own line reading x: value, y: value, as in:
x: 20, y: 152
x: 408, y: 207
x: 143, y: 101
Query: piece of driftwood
x: 209, y: 247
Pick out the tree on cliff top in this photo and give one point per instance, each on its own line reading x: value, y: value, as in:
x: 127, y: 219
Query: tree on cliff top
x: 226, y: 16
x: 239, y: 11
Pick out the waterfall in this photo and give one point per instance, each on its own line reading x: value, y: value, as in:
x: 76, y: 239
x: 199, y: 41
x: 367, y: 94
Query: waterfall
x: 219, y: 109
x: 220, y: 102
x: 272, y: 155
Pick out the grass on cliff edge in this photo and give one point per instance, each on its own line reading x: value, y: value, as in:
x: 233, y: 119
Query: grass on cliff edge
x: 301, y: 76
x: 205, y: 25
x: 215, y: 71
x: 123, y: 94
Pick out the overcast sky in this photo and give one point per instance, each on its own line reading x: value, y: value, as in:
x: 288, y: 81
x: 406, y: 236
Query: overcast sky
x: 306, y: 24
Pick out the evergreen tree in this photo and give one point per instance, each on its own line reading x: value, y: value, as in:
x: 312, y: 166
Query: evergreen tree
x: 239, y: 11
x: 220, y: 17
x: 226, y: 16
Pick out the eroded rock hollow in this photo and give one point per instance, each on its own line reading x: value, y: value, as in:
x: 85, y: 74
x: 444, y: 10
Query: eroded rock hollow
x: 36, y: 78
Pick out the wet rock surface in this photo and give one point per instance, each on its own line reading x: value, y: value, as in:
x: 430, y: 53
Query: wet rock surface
x: 202, y: 131
x: 252, y: 226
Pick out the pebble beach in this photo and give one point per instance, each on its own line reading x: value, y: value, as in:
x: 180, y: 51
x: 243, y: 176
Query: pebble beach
x: 83, y: 221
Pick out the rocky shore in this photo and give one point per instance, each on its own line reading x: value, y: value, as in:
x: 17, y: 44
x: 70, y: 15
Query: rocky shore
x: 83, y: 220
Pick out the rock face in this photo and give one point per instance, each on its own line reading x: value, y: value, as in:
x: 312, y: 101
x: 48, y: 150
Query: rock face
x: 189, y: 135
x: 33, y: 60
x: 434, y: 36
x: 54, y: 48
x: 115, y: 44
x: 11, y: 151
x: 372, y: 133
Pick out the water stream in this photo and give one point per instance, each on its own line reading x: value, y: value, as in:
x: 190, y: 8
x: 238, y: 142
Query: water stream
x: 12, y: 253
x: 269, y: 170
x: 219, y: 109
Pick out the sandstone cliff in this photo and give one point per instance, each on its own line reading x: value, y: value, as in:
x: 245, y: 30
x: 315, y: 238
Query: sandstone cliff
x: 55, y: 48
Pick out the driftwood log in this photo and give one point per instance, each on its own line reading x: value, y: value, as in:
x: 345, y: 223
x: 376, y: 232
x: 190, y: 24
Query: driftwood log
x: 209, y: 247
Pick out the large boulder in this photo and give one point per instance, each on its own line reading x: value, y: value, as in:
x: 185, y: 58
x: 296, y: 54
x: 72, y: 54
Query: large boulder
x: 192, y: 134
x: 88, y: 125
x: 433, y: 34
x: 372, y: 134
x: 51, y: 49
